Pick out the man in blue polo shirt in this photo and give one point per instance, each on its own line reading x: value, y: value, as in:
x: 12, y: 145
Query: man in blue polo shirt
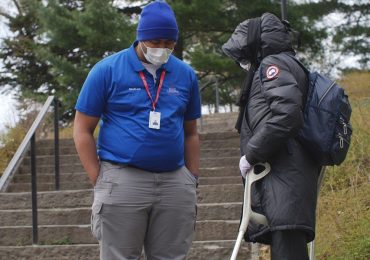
x: 145, y: 165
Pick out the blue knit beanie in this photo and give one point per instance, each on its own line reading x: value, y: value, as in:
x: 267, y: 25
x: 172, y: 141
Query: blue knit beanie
x: 157, y: 21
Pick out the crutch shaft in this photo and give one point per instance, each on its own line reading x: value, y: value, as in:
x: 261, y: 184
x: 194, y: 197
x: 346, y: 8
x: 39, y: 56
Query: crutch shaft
x: 237, y: 245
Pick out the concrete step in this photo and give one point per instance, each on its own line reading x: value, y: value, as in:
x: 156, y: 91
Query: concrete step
x: 70, y: 163
x: 48, y: 169
x: 218, y: 122
x: 42, y: 160
x: 48, y: 160
x: 81, y: 215
x: 221, y: 171
x: 81, y: 234
x: 219, y: 136
x: 71, y: 157
x: 49, y: 186
x: 66, y: 146
x: 49, y: 150
x: 50, y: 143
x: 75, y: 165
x: 82, y: 176
x: 200, y: 250
x: 219, y: 152
x: 47, y: 199
x: 205, y: 152
x: 215, y: 140
x: 220, y: 180
x: 225, y: 193
x: 42, y: 178
x: 219, y: 250
x: 220, y: 143
x: 80, y: 181
x: 214, y: 135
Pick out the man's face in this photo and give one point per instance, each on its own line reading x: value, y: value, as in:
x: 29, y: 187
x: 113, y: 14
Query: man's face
x: 169, y: 44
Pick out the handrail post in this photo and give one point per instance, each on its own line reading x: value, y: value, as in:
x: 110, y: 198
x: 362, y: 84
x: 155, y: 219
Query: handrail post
x: 56, y: 144
x: 217, y: 97
x: 283, y: 10
x: 34, y: 191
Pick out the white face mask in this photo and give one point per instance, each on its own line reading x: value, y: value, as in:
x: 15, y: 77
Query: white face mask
x: 156, y: 56
x: 245, y: 66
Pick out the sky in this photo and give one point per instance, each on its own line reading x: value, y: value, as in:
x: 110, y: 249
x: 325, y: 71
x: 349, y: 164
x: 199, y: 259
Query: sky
x: 8, y: 111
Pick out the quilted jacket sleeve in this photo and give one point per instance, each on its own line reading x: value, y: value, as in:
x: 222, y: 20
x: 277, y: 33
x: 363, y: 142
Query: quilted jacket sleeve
x: 284, y: 98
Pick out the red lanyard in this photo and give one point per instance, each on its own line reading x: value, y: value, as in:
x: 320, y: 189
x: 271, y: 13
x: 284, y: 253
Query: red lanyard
x: 147, y: 88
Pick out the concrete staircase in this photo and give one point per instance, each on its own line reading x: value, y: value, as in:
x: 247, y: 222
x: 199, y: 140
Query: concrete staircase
x: 64, y: 216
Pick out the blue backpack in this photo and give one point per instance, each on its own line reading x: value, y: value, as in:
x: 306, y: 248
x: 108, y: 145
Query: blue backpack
x: 326, y: 130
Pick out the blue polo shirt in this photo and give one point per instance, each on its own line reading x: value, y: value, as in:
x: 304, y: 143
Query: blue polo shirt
x: 114, y: 91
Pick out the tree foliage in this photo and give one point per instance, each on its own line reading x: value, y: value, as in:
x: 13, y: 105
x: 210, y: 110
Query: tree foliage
x: 77, y: 35
x: 21, y: 67
x: 56, y: 42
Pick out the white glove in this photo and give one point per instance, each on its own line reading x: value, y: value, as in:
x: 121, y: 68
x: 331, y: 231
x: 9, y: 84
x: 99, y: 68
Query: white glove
x: 244, y: 166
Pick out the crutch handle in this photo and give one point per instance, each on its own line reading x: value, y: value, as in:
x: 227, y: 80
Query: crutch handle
x: 248, y: 214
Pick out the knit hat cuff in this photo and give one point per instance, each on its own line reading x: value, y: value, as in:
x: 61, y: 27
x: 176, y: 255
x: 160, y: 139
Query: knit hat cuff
x: 157, y: 34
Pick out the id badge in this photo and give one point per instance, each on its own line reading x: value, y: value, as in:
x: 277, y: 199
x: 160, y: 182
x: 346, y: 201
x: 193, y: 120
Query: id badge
x: 154, y: 120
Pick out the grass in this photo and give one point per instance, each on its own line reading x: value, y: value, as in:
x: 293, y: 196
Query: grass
x: 343, y: 214
x: 10, y: 142
x: 343, y: 224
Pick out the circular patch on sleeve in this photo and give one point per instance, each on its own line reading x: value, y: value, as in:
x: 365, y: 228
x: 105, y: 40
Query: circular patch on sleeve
x: 272, y: 71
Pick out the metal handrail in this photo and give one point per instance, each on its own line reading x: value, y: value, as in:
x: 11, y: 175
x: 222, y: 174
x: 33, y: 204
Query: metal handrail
x: 30, y: 138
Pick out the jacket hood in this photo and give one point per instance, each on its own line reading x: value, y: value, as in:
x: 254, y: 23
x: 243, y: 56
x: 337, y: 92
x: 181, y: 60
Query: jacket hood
x: 275, y: 38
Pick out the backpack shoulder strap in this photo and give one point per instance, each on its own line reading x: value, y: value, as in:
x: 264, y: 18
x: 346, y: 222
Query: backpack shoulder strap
x: 299, y: 62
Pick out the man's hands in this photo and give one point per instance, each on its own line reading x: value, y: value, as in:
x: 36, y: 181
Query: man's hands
x: 244, y: 166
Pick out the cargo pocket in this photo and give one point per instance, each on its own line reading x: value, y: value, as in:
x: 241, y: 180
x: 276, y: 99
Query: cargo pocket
x: 96, y: 220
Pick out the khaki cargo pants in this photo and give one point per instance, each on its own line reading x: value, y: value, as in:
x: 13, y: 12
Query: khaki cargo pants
x: 135, y: 209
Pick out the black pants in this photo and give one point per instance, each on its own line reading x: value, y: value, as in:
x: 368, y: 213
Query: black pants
x: 289, y: 245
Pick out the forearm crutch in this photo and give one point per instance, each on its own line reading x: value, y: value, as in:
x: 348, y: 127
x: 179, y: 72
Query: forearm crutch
x: 248, y: 213
x: 319, y: 183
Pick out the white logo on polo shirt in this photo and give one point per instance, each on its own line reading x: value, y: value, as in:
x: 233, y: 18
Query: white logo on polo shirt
x: 134, y: 89
x: 173, y: 91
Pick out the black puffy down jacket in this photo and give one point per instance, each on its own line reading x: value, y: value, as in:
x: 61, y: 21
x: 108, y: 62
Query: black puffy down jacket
x: 273, y: 116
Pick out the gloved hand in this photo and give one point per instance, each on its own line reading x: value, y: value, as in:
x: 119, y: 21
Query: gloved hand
x: 244, y: 166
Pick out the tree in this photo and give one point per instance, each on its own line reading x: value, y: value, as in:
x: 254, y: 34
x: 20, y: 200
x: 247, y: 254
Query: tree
x: 21, y: 67
x: 206, y: 25
x: 76, y: 35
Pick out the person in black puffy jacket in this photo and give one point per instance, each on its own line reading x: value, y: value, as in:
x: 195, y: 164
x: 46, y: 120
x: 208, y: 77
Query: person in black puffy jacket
x: 272, y: 116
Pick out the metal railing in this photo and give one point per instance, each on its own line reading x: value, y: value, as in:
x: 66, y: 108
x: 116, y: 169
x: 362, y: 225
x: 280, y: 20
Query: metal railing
x: 217, y: 97
x: 30, y: 138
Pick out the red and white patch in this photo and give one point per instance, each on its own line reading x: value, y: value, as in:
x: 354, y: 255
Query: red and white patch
x: 272, y: 71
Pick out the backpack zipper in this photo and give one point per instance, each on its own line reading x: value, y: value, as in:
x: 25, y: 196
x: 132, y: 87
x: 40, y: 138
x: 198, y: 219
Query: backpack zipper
x: 345, y: 125
x: 326, y: 92
x: 341, y: 141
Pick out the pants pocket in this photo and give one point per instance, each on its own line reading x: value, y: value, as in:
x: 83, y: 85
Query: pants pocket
x: 96, y: 220
x: 190, y: 176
